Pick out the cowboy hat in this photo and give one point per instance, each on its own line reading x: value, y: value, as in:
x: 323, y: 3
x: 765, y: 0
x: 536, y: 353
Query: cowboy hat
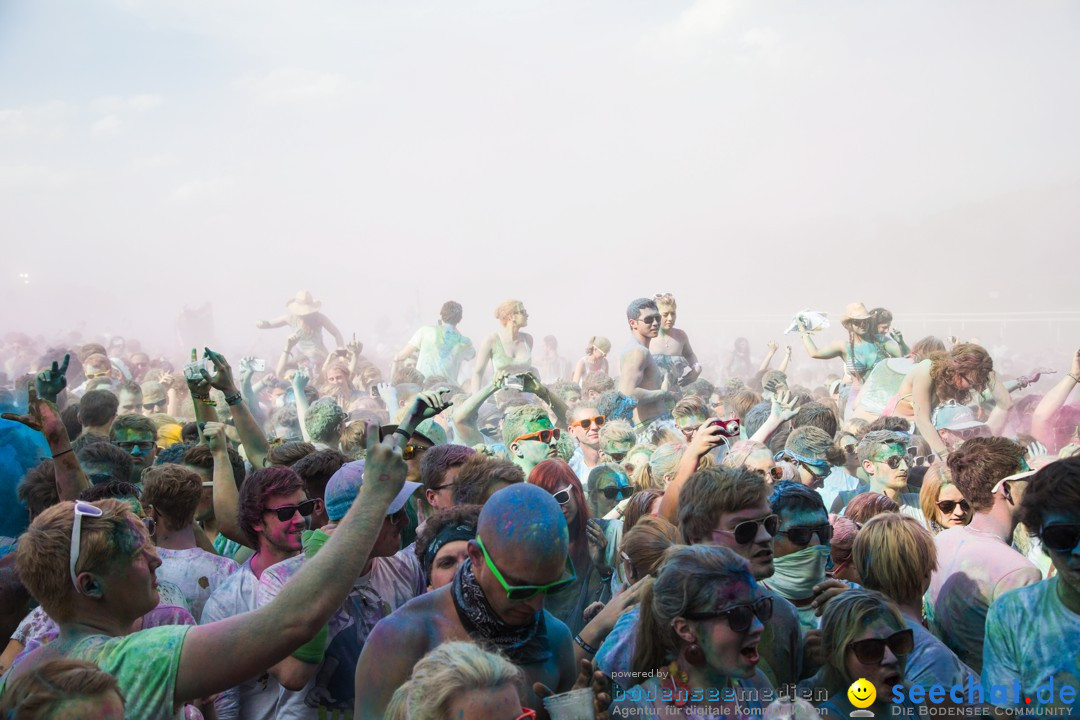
x: 303, y: 304
x: 854, y: 311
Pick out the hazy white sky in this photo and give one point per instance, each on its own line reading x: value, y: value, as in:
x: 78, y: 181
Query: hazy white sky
x: 753, y: 157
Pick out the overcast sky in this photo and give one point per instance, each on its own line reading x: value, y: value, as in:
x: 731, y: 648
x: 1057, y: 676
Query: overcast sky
x: 753, y: 157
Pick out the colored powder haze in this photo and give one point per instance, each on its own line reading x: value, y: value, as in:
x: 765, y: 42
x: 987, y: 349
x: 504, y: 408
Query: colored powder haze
x: 756, y: 158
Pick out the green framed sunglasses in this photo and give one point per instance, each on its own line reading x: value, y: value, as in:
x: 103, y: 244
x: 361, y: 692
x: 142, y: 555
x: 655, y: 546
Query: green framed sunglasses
x: 519, y: 593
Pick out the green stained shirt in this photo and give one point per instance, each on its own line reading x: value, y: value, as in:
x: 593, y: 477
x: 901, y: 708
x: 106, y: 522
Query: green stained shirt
x: 145, y: 665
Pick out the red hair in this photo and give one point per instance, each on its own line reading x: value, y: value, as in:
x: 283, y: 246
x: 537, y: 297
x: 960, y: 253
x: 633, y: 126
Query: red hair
x: 551, y: 475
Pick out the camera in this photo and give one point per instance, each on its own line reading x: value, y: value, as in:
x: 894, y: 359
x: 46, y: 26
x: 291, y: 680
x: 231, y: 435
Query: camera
x: 514, y: 382
x: 728, y: 428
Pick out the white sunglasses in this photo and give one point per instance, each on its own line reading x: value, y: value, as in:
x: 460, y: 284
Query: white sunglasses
x: 81, y: 508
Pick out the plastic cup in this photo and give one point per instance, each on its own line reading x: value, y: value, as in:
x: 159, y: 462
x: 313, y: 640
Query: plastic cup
x: 573, y: 705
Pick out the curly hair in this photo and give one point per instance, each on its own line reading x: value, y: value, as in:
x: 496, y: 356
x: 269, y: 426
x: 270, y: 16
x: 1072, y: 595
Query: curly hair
x: 174, y: 491
x: 979, y: 463
x: 966, y: 360
x: 324, y: 420
x: 38, y: 488
x: 256, y: 490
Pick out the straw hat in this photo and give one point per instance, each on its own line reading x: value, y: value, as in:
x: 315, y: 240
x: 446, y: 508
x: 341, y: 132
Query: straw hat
x: 303, y: 304
x: 854, y: 311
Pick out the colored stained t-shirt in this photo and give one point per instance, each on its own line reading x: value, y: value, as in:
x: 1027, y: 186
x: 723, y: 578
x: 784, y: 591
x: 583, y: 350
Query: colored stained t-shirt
x: 196, y: 572
x: 391, y: 582
x: 257, y: 697
x: 975, y: 567
x: 144, y: 664
x: 1032, y: 637
x: 440, y: 351
x: 931, y: 662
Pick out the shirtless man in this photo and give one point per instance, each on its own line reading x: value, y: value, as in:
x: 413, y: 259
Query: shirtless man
x: 671, y: 347
x: 639, y: 375
x: 522, y: 540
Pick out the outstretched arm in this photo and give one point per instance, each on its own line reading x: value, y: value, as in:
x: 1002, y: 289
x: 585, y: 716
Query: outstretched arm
x: 270, y: 324
x: 767, y: 360
x: 920, y: 401
x: 247, y: 427
x: 43, y: 417
x: 783, y: 366
x: 1042, y: 420
x: 464, y: 416
x: 705, y: 439
x: 209, y: 661
x: 331, y: 328
x: 1002, y: 403
x: 483, y: 357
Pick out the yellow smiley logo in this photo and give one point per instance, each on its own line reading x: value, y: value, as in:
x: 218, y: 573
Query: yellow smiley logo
x: 862, y: 693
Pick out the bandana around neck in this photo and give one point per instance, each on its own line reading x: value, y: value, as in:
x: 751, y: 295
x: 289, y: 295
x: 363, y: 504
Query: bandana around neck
x: 522, y: 644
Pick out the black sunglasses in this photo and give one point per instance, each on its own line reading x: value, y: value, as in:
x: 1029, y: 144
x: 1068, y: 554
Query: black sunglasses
x: 1060, y: 538
x: 613, y: 491
x: 803, y: 535
x: 285, y: 512
x: 872, y: 651
x: 562, y: 497
x: 947, y: 506
x: 745, y: 532
x: 893, y: 461
x: 739, y: 617
x: 650, y: 320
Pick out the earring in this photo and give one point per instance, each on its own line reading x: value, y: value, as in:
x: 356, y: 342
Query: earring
x: 695, y: 655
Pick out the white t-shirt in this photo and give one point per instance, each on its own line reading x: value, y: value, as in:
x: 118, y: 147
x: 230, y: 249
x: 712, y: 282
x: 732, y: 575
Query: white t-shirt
x: 440, y: 351
x: 196, y: 572
x: 580, y: 468
x: 1033, y: 637
x: 256, y: 698
x: 974, y: 568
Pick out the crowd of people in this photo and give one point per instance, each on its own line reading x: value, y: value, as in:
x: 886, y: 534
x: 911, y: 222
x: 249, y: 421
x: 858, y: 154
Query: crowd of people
x: 471, y: 531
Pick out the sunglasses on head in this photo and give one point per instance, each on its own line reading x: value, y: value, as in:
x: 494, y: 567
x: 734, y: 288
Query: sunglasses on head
x: 872, y: 651
x: 81, y: 509
x: 947, y: 506
x: 745, y: 532
x: 286, y: 512
x: 617, y: 456
x: 587, y: 423
x: 617, y: 491
x: 1061, y: 538
x: 739, y: 617
x: 918, y: 460
x: 544, y: 436
x: 803, y: 535
x: 519, y: 593
x: 817, y: 468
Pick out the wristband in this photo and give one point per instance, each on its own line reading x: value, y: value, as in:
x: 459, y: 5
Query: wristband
x: 398, y: 431
x: 234, y: 399
x: 63, y: 452
x: 584, y: 645
x: 208, y: 401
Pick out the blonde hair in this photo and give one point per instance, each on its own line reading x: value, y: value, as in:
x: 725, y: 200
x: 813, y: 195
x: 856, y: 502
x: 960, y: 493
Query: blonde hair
x: 845, y: 617
x: 506, y: 310
x: 666, y: 300
x: 665, y: 461
x: 934, y: 481
x: 44, y: 552
x: 445, y: 674
x: 41, y: 691
x: 641, y: 477
x: 617, y: 431
x: 895, y: 554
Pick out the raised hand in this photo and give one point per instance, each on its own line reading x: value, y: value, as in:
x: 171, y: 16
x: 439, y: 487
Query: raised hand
x: 50, y: 382
x: 384, y: 469
x: 354, y: 347
x: 223, y: 378
x: 532, y: 384
x: 426, y: 405
x: 783, y: 405
x: 41, y: 415
x: 300, y: 380
x: 773, y: 347
x: 291, y: 341
x: 598, y: 543
x: 1075, y: 371
x: 214, y: 434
